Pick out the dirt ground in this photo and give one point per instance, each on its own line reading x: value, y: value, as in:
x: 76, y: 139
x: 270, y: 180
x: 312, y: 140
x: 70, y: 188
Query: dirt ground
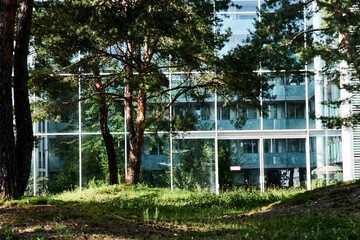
x: 38, y: 222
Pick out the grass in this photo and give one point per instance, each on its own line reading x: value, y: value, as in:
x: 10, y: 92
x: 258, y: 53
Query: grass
x: 143, y: 212
x: 180, y: 206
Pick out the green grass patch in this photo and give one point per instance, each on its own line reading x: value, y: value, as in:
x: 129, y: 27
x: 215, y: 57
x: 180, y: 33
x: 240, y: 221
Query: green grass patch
x: 204, y: 215
x: 178, y: 206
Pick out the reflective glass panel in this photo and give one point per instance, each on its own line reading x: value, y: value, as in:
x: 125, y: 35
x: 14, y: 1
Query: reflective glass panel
x: 239, y: 24
x: 194, y: 110
x: 57, y: 164
x: 284, y: 162
x: 326, y: 160
x: 95, y: 166
x: 194, y: 164
x: 155, y: 162
x: 239, y: 164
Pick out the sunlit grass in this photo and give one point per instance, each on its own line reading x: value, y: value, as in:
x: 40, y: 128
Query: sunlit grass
x: 203, y: 215
x: 178, y: 206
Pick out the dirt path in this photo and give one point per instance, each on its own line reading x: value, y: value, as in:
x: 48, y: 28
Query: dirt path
x: 54, y: 222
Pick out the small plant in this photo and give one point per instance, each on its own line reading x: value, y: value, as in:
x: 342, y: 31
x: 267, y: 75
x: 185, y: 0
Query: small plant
x: 9, y: 233
x: 156, y: 215
x: 146, y: 215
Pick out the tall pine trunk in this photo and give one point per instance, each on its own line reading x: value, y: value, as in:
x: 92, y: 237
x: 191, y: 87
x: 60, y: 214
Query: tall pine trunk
x: 15, y: 158
x: 105, y: 132
x: 7, y: 141
x: 24, y: 131
x: 136, y: 136
x: 109, y: 141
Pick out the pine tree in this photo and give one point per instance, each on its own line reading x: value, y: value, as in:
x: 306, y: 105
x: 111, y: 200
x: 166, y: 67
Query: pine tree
x: 290, y: 41
x: 15, y: 149
x: 139, y: 41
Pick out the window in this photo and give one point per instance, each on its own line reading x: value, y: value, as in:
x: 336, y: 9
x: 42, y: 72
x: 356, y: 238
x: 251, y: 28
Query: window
x: 179, y: 110
x: 296, y: 110
x: 296, y: 145
x: 272, y: 111
x: 205, y: 112
x: 225, y: 113
x: 251, y: 113
x: 156, y: 147
x: 248, y: 146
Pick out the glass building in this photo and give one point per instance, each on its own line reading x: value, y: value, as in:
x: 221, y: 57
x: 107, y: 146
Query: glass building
x: 284, y: 148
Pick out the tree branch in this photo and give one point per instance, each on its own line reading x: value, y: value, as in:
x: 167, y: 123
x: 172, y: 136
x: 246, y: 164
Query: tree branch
x: 304, y: 32
x: 308, y: 2
x: 180, y: 93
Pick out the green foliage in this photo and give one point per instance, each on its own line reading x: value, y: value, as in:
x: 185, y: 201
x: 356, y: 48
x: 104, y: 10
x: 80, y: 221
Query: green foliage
x: 226, y: 160
x: 194, y: 164
x: 286, y: 47
x: 64, y: 174
x: 176, y: 36
x: 9, y: 233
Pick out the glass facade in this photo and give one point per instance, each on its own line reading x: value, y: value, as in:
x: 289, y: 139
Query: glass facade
x: 285, y: 162
x: 239, y: 163
x: 282, y: 147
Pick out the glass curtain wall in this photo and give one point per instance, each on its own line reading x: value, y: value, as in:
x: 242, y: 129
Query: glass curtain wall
x: 239, y: 163
x: 326, y: 160
x: 284, y: 162
x: 70, y: 151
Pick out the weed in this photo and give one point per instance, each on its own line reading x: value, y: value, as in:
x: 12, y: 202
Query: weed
x: 146, y: 215
x: 9, y: 233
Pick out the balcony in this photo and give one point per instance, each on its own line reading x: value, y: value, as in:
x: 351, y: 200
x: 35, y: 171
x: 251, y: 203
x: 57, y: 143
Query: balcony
x: 289, y: 92
x: 299, y: 123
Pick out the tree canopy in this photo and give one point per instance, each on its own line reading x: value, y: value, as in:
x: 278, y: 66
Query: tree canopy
x: 125, y: 50
x: 290, y: 42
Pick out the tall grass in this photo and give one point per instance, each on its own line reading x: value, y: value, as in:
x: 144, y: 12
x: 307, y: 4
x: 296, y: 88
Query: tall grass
x: 178, y: 206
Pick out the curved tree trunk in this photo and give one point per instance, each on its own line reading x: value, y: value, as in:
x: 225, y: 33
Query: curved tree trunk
x: 24, y: 132
x: 7, y: 142
x: 105, y: 132
x: 109, y: 142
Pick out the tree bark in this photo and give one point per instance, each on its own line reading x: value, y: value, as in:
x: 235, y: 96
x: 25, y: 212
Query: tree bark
x: 24, y: 132
x: 109, y: 141
x: 105, y: 132
x: 7, y: 141
x: 136, y: 137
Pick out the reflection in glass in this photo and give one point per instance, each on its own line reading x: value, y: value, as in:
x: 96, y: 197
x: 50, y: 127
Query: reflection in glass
x: 284, y: 162
x: 95, y: 169
x: 90, y: 116
x: 239, y: 164
x: 239, y: 24
x: 285, y: 115
x: 326, y: 160
x: 57, y: 164
x: 234, y: 118
x: 194, y: 164
x: 155, y: 162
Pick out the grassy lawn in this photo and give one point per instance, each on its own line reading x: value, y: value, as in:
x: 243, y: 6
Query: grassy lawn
x: 140, y: 212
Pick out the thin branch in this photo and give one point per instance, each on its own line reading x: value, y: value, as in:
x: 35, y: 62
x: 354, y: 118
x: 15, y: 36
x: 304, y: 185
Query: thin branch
x: 179, y: 86
x: 308, y: 2
x: 69, y: 66
x: 107, y: 84
x: 304, y: 32
x: 180, y: 93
